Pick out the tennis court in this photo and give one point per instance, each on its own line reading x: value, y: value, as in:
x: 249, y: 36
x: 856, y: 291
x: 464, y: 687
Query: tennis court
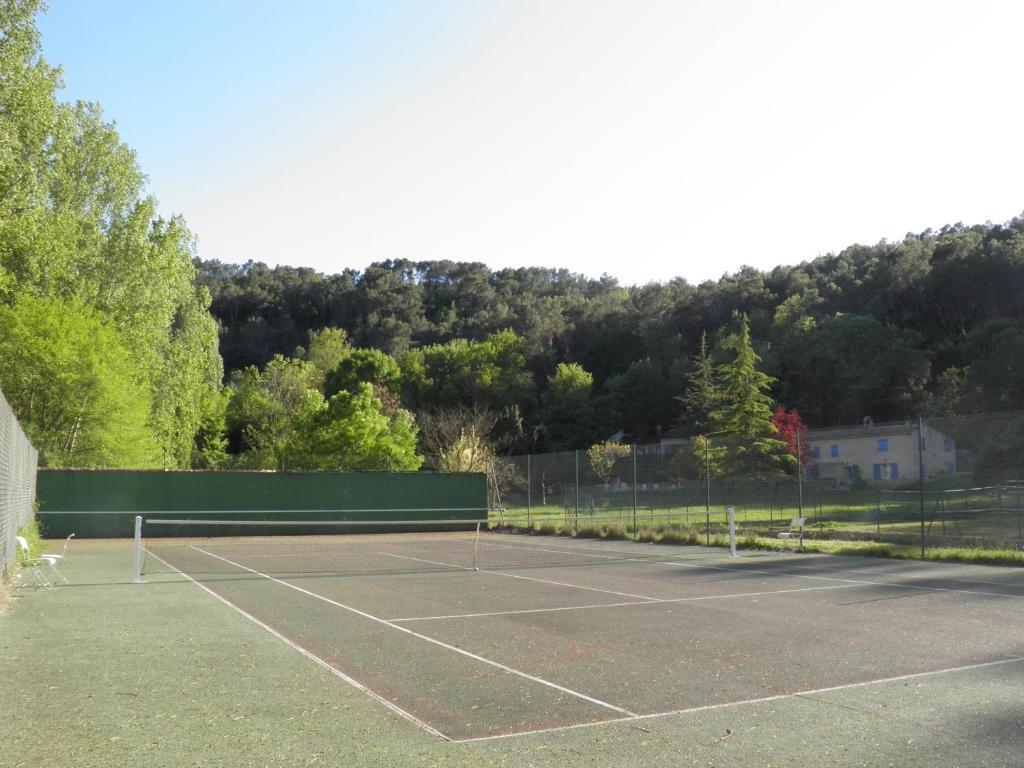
x: 477, y: 635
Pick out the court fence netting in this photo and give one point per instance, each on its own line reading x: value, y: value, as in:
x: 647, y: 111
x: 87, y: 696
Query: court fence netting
x: 18, y: 461
x: 932, y: 482
x: 202, y: 547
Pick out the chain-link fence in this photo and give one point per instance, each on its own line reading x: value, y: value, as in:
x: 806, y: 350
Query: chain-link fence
x: 952, y: 481
x: 18, y: 460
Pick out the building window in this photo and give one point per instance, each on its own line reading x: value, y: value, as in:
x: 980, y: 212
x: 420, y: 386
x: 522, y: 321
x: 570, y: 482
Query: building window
x: 950, y: 468
x: 887, y: 472
x: 883, y: 444
x: 948, y: 443
x: 816, y: 451
x: 854, y: 473
x: 834, y: 451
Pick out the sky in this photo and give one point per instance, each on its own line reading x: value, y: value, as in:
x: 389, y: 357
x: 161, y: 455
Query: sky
x: 645, y: 140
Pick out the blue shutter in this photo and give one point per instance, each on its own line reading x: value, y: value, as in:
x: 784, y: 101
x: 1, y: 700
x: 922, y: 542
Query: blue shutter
x: 835, y: 451
x: 878, y: 471
x: 895, y: 471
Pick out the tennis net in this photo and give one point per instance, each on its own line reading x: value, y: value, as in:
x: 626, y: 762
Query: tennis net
x: 280, y: 547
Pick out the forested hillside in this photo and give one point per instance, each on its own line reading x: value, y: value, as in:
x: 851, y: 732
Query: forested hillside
x: 110, y: 351
x: 934, y: 323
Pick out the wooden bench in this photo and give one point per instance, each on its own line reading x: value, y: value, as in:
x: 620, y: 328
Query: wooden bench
x: 796, y: 530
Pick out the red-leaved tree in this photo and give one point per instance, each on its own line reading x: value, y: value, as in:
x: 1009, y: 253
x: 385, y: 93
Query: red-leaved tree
x: 790, y: 425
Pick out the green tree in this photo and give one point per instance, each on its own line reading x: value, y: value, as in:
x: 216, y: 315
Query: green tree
x: 744, y: 414
x: 491, y: 373
x: 370, y: 366
x: 604, y: 456
x: 210, y: 449
x: 264, y: 409
x: 567, y: 412
x: 706, y: 457
x: 75, y: 225
x: 69, y: 378
x: 326, y: 350
x: 350, y: 432
x: 995, y: 377
x: 698, y: 400
x: 639, y: 398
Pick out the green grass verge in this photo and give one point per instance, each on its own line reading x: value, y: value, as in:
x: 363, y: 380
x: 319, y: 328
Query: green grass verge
x: 886, y: 549
x: 680, y: 534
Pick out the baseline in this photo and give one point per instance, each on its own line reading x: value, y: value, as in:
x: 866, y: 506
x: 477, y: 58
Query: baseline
x: 744, y: 702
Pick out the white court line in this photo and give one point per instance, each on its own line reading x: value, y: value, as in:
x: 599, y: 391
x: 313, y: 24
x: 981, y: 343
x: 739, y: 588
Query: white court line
x: 653, y: 601
x: 527, y: 578
x: 835, y: 578
x: 311, y: 656
x: 772, y: 573
x: 432, y: 640
x: 431, y: 562
x: 562, y: 551
x: 564, y: 584
x: 762, y: 700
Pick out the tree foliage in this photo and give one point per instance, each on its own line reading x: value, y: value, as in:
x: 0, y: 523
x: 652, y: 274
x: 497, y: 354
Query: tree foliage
x: 72, y: 377
x: 604, y: 456
x: 79, y: 234
x: 350, y: 432
x: 744, y: 413
x: 567, y: 412
x: 882, y: 331
x: 791, y: 430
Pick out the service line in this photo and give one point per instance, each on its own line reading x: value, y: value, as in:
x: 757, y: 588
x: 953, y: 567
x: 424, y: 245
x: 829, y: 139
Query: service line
x: 426, y: 638
x: 649, y: 601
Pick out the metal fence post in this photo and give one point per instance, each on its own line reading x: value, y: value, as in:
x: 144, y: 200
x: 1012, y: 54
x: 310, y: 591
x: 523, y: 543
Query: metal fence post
x: 707, y: 484
x: 920, y: 472
x: 529, y: 489
x: 799, y: 475
x: 634, y: 487
x: 576, y: 520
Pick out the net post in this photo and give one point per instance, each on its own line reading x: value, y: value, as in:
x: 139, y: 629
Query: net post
x: 730, y: 513
x: 476, y: 547
x: 137, y: 552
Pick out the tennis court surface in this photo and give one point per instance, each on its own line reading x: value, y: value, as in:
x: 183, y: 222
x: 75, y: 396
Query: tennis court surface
x: 477, y: 636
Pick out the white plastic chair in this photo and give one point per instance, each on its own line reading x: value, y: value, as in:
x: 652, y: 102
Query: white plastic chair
x: 33, y: 564
x: 54, y: 559
x: 50, y: 559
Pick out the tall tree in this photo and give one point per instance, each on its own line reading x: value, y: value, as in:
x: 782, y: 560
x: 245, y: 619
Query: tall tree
x: 744, y: 413
x: 567, y: 413
x: 698, y: 401
x: 77, y: 227
x: 70, y: 379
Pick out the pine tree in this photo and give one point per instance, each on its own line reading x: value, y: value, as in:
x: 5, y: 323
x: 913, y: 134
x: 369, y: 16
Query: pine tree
x: 698, y: 401
x: 744, y: 415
